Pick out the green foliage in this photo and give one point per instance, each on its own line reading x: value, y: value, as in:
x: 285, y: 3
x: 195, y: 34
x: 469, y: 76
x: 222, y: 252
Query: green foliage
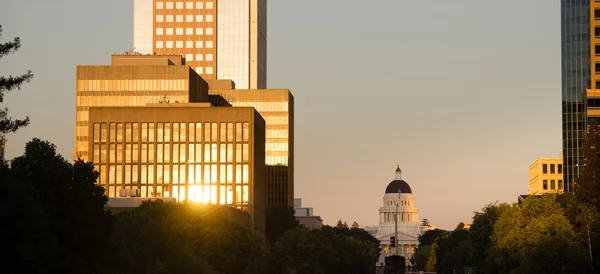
x: 160, y: 237
x: 9, y: 83
x: 421, y: 256
x: 57, y: 219
x: 331, y: 250
x: 279, y: 219
x: 429, y: 236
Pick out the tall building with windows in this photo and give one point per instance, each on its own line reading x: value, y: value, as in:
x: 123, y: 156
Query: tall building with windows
x: 276, y: 106
x: 580, y: 48
x: 133, y: 80
x: 220, y: 39
x: 546, y: 176
x: 186, y: 151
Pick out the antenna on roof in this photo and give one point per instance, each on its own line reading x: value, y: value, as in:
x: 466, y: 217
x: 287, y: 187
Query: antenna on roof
x: 130, y: 51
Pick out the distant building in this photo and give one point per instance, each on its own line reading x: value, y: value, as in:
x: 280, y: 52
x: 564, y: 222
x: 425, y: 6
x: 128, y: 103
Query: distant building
x: 546, y: 176
x: 398, y: 193
x: 372, y: 230
x: 305, y: 216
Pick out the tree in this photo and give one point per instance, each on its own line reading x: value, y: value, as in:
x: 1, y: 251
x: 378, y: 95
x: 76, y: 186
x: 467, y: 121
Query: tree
x: 355, y: 225
x: 586, y: 185
x: 421, y: 257
x: 65, y: 203
x: 428, y: 238
x: 481, y: 230
x: 341, y: 224
x: 425, y: 223
x: 279, y: 219
x: 7, y: 124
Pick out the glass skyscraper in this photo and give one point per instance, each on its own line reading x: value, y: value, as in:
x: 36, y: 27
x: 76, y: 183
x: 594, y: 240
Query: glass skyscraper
x: 578, y: 75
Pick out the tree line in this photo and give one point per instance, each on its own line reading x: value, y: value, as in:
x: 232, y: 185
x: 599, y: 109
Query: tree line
x: 552, y: 233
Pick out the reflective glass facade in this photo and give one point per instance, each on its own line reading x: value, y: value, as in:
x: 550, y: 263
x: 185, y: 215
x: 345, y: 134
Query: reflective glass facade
x: 576, y: 72
x: 277, y: 108
x: 103, y: 86
x: 191, y: 153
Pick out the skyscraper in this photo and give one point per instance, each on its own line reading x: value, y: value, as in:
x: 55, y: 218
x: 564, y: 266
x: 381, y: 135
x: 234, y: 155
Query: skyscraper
x: 578, y: 74
x: 220, y: 39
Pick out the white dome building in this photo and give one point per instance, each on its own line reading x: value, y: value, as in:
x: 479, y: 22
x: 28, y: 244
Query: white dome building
x: 398, y: 193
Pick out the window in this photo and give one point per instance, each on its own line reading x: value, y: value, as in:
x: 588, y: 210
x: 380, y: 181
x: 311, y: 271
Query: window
x: 179, y: 44
x: 199, y: 31
x: 159, y: 31
x: 545, y: 169
x: 552, y: 184
x: 560, y: 169
x: 179, y: 5
x: 198, y: 57
x: 198, y: 69
x: 159, y: 5
x: 159, y: 44
x: 169, y: 18
x: 189, y: 31
x: 189, y: 18
x: 179, y: 31
x: 179, y: 18
x: 189, y: 5
x: 209, y: 5
x: 560, y: 184
x: 209, y: 31
x: 209, y: 57
x: 552, y: 168
x: 545, y: 184
x: 198, y: 44
x: 209, y: 70
x: 199, y: 18
x: 209, y: 18
x: 169, y: 5
x: 169, y: 44
x: 169, y: 31
x: 209, y: 44
x: 189, y: 57
x: 159, y: 18
x: 189, y: 44
x: 199, y: 5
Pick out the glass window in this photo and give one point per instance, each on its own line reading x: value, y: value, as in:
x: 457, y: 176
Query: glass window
x: 96, y: 158
x: 229, y: 153
x: 182, y: 174
x: 198, y: 153
x: 111, y: 153
x: 198, y: 69
x: 189, y: 45
x: 159, y: 18
x: 112, y: 132
x: 560, y: 184
x: 183, y: 132
x: 159, y: 153
x: 189, y: 5
x: 111, y: 174
x: 209, y: 31
x: 179, y: 31
x: 230, y: 174
x: 169, y: 31
x: 209, y: 5
x: 244, y: 174
x: 119, y: 153
x: 223, y: 154
x: 545, y: 184
x: 238, y: 174
x: 127, y: 132
x: 119, y: 175
x: 552, y: 184
x: 102, y: 175
x: 552, y: 168
x: 169, y: 5
x: 169, y: 18
x: 209, y: 44
x: 198, y: 57
x: 150, y: 153
x: 207, y: 153
x: 175, y: 132
x: 128, y: 174
x: 179, y: 5
x: 179, y: 18
x: 159, y: 5
x: 238, y: 154
x: 191, y: 132
x: 167, y: 153
x: 175, y: 153
x: 199, y: 18
x: 167, y: 176
x: 191, y: 154
x: 175, y: 174
x: 209, y: 18
x: 159, y: 44
x: 144, y: 175
x: 167, y: 132
x: 151, y: 174
x: 135, y: 132
x: 199, y: 5
x: 238, y: 132
x: 245, y: 153
x: 150, y: 132
x: 169, y: 44
x: 159, y: 132
x: 229, y: 132
x: 179, y: 44
x: 189, y: 31
x: 199, y: 45
x: 223, y: 132
x: 246, y: 132
x: 213, y: 155
x: 159, y: 174
x: 182, y: 150
x: 189, y: 18
x: 159, y: 31
x: 144, y: 151
x: 560, y: 167
x: 545, y: 168
x: 144, y: 132
x: 135, y: 153
x: 214, y: 132
x: 128, y: 153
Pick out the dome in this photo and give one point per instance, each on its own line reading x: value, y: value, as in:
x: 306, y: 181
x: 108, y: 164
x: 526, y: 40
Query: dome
x: 398, y: 186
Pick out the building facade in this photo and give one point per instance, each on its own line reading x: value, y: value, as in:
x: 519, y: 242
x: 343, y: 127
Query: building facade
x: 133, y: 80
x: 398, y: 193
x: 305, y: 216
x: 276, y: 106
x: 220, y: 39
x: 189, y: 152
x: 546, y: 176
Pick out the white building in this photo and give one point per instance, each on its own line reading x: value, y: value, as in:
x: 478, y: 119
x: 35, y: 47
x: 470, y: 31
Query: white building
x: 305, y: 216
x: 398, y: 193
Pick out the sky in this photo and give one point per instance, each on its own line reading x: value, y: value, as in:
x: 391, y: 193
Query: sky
x: 462, y: 95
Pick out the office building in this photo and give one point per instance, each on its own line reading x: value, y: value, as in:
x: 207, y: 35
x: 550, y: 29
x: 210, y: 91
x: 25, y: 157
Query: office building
x: 276, y: 106
x: 580, y: 51
x: 191, y: 152
x: 133, y: 80
x: 220, y: 39
x: 546, y: 176
x: 305, y: 216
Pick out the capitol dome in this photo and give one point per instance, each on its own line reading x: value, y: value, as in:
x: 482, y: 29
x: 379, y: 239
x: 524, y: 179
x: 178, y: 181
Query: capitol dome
x: 398, y: 185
